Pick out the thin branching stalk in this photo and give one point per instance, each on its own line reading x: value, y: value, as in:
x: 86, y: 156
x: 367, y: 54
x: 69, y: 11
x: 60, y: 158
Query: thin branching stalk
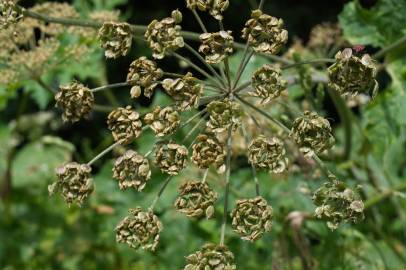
x: 103, y: 108
x: 226, y: 188
x: 314, y: 61
x: 206, y: 172
x: 102, y: 153
x: 199, y: 21
x: 254, y: 171
x: 160, y: 192
x: 196, y: 126
x: 193, y: 118
x: 400, y: 42
x: 241, y: 66
x: 110, y: 86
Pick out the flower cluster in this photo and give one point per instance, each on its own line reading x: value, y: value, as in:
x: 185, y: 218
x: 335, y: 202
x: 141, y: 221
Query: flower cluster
x: 207, y: 151
x: 74, y: 183
x: 215, y: 7
x: 76, y: 101
x: 351, y: 74
x: 132, y: 170
x: 267, y: 83
x: 185, y: 91
x: 170, y: 157
x: 139, y: 229
x: 211, y: 256
x: 8, y: 13
x: 337, y: 203
x: 164, y: 36
x: 224, y: 114
x: 252, y: 218
x: 125, y: 124
x: 216, y: 46
x: 268, y: 153
x: 265, y: 33
x: 196, y: 199
x: 163, y: 121
x: 115, y: 38
x: 143, y: 73
x: 312, y: 133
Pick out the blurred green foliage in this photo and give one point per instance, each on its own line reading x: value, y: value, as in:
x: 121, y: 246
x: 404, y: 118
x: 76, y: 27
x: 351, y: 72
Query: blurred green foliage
x: 41, y: 232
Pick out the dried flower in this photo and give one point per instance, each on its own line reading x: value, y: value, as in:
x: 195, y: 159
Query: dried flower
x: 268, y: 153
x: 185, y: 91
x: 132, y: 170
x: 268, y: 83
x: 115, y: 38
x: 163, y: 121
x: 163, y: 36
x: 170, y: 157
x: 8, y: 13
x: 216, y: 46
x: 196, y: 199
x: 223, y: 115
x: 143, y: 73
x: 211, y: 257
x: 351, y: 74
x: 207, y: 150
x: 74, y: 183
x: 76, y: 101
x: 251, y: 218
x: 312, y: 133
x: 125, y: 125
x: 215, y: 7
x: 139, y: 229
x: 265, y: 33
x: 337, y: 203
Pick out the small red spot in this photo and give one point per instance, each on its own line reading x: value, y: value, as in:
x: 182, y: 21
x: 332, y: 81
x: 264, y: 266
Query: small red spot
x: 358, y: 48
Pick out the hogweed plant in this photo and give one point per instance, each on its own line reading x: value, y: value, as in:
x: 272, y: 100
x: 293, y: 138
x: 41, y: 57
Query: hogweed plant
x: 227, y: 108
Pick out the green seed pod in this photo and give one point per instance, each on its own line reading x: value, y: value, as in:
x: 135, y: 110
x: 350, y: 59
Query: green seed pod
x: 115, y: 38
x: 223, y: 115
x: 267, y: 83
x: 132, y: 170
x: 170, y: 157
x: 211, y: 257
x: 351, y: 74
x: 76, y: 101
x: 186, y: 91
x: 196, y: 199
x: 268, y: 153
x: 265, y: 33
x: 74, y: 183
x: 216, y: 46
x: 163, y: 121
x: 125, y: 125
x: 251, y: 218
x: 207, y: 150
x: 337, y: 203
x: 164, y: 36
x: 143, y: 73
x: 139, y: 229
x: 312, y: 133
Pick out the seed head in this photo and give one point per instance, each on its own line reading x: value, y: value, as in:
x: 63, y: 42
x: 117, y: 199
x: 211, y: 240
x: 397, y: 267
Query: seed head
x: 265, y: 33
x: 125, y: 125
x: 163, y: 121
x: 196, y: 199
x: 74, y: 183
x: 267, y: 83
x: 216, y: 46
x: 207, y: 151
x: 170, y: 157
x: 214, y: 7
x: 132, y: 170
x: 223, y: 115
x: 8, y: 13
x: 76, y: 101
x: 139, y: 229
x: 251, y: 218
x: 115, y: 38
x: 211, y: 257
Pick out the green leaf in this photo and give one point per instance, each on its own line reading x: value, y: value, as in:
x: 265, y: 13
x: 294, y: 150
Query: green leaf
x: 378, y: 26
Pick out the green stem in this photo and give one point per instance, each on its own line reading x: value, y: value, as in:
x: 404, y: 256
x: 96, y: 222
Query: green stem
x: 395, y: 45
x: 314, y: 61
x: 109, y: 86
x: 242, y: 65
x: 212, y: 70
x: 384, y: 195
x: 102, y: 153
x: 254, y: 171
x: 345, y: 116
x: 199, y: 21
x: 227, y: 188
x: 161, y: 191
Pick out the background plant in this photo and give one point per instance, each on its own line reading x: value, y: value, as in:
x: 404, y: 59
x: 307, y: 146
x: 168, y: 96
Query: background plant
x: 362, y: 167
